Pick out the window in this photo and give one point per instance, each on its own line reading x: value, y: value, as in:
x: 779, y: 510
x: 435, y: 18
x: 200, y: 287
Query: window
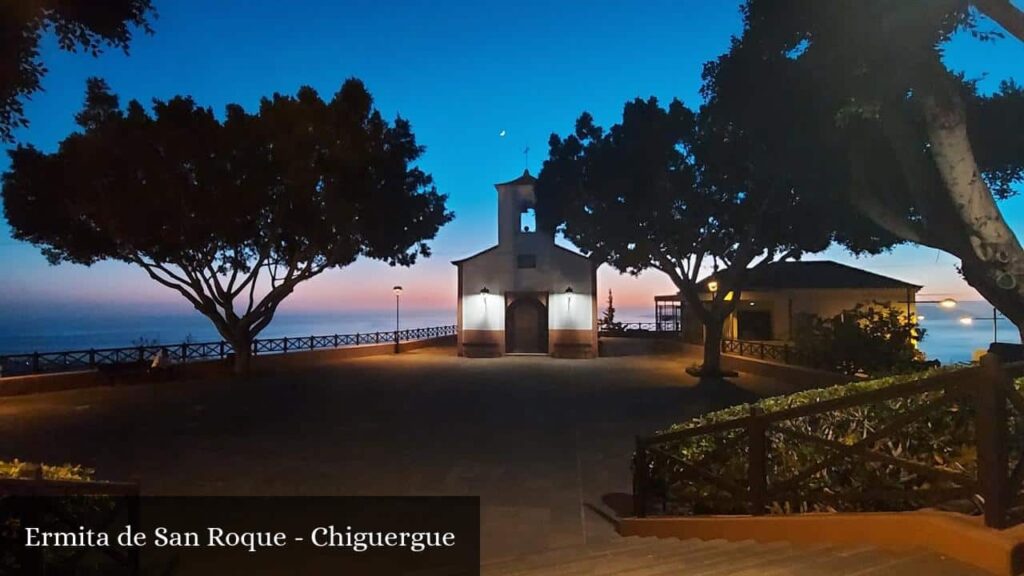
x: 526, y: 261
x: 528, y: 220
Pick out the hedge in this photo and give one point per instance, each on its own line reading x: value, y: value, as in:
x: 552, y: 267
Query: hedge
x: 942, y: 439
x: 19, y: 469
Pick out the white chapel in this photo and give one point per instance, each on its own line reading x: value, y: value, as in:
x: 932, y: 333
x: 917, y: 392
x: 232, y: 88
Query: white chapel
x: 526, y: 295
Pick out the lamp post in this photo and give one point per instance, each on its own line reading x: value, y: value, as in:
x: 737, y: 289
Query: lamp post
x: 947, y: 303
x: 398, y: 296
x: 995, y: 318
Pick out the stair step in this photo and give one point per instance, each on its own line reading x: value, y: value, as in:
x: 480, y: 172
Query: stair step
x: 808, y: 555
x: 637, y: 560
x: 684, y: 557
x: 672, y: 557
x: 564, y: 553
x: 569, y: 555
x: 617, y: 561
x: 845, y: 562
x: 923, y: 563
x: 722, y: 562
x: 767, y: 556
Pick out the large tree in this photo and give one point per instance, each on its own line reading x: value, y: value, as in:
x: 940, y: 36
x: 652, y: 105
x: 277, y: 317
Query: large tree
x: 84, y: 25
x: 900, y: 137
x: 232, y: 214
x: 682, y: 193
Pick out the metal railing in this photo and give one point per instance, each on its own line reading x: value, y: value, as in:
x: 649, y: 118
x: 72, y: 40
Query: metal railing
x: 70, y: 360
x: 629, y: 328
x: 769, y: 460
x: 783, y: 353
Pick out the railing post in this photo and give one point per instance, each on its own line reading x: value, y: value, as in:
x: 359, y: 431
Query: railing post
x: 312, y: 342
x: 92, y: 357
x: 762, y: 350
x: 336, y: 340
x: 35, y: 362
x: 641, y: 479
x: 285, y: 348
x: 221, y: 349
x: 32, y: 559
x: 990, y: 427
x: 757, y: 465
x: 785, y: 353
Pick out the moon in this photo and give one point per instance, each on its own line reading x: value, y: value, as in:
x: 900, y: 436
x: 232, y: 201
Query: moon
x: 501, y: 134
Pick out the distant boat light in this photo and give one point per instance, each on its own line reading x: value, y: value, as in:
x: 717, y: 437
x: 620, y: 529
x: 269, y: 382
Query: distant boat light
x: 948, y: 303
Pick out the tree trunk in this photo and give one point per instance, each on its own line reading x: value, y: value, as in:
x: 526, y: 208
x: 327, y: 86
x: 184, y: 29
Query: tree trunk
x: 994, y: 264
x: 243, y: 354
x: 712, y: 348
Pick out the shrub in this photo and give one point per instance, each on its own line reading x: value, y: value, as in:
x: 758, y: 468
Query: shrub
x: 51, y: 513
x: 942, y: 439
x: 873, y: 340
x: 18, y: 469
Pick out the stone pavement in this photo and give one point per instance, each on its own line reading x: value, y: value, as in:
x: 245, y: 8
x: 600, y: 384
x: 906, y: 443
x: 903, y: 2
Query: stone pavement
x: 536, y: 438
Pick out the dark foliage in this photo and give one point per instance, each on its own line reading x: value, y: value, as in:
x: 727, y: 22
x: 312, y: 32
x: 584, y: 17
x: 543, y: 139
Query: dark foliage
x: 231, y: 214
x: 679, y: 192
x: 872, y: 340
x: 85, y: 25
x: 860, y: 96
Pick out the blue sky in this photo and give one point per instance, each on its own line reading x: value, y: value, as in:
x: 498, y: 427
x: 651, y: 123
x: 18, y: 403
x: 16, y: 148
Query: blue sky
x: 461, y: 72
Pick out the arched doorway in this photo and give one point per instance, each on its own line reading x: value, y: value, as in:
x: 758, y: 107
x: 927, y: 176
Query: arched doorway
x: 526, y: 326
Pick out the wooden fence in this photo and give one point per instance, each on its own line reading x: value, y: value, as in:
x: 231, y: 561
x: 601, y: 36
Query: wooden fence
x: 768, y: 474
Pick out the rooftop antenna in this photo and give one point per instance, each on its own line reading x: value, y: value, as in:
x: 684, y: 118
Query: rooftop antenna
x: 526, y: 158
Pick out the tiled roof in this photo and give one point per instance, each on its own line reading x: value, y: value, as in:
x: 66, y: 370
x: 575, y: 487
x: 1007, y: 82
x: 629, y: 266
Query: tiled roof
x: 817, y: 274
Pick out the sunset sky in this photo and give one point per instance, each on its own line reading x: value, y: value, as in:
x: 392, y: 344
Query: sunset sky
x: 461, y: 73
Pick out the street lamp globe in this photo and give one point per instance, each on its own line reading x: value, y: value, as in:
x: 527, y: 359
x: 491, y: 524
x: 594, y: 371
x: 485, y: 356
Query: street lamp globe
x: 397, y: 290
x: 947, y: 303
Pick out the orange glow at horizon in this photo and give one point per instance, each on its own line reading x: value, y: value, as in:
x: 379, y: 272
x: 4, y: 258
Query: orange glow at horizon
x: 368, y: 285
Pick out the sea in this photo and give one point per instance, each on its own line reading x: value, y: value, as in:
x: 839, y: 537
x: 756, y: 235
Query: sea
x: 948, y: 337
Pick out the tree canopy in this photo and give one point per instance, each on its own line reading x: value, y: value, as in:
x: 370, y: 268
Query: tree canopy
x: 83, y: 25
x: 889, y: 130
x: 234, y: 213
x: 684, y: 193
